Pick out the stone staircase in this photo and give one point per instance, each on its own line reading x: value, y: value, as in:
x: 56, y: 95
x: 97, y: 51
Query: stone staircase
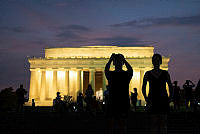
x: 183, y: 123
x: 46, y: 121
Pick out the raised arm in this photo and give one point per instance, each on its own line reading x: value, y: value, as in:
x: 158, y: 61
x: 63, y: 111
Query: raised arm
x: 144, y: 86
x: 193, y: 85
x: 184, y: 85
x: 169, y: 85
x: 107, y: 67
x: 129, y: 68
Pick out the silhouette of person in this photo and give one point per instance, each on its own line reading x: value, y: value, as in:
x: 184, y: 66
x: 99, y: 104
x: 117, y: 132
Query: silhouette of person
x: 188, y: 85
x: 59, y: 105
x: 197, y: 96
x: 118, y: 102
x: 80, y: 102
x: 197, y: 91
x: 58, y: 97
x: 176, y: 96
x: 134, y: 98
x: 20, y: 92
x: 106, y: 97
x: 89, y: 98
x: 157, y: 99
x: 33, y: 105
x: 94, y: 105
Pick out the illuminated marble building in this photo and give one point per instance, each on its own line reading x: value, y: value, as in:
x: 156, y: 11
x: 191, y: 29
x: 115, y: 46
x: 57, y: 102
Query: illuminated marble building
x: 70, y: 70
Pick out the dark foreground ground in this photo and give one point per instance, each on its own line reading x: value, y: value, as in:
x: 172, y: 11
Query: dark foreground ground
x: 46, y: 122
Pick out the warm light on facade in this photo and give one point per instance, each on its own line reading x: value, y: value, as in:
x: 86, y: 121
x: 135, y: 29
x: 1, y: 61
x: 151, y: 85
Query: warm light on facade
x: 66, y: 70
x: 72, y: 74
x: 135, y: 79
x: 49, y: 75
x: 60, y: 81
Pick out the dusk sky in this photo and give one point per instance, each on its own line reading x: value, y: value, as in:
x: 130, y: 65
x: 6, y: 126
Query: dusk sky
x: 29, y: 26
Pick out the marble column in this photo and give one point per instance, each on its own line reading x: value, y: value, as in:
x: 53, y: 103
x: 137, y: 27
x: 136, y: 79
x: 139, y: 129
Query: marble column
x: 79, y: 81
x: 38, y: 84
x: 32, y: 85
x: 73, y: 83
x: 92, y: 78
x: 49, y: 85
x: 66, y: 92
x: 54, y: 84
x: 43, y: 85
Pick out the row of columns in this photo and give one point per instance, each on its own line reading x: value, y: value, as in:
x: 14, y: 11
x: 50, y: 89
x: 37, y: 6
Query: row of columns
x: 45, y: 83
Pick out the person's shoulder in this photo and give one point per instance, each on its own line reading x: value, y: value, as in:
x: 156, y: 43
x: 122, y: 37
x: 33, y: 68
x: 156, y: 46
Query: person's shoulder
x: 147, y: 72
x: 165, y: 72
x: 123, y: 71
x: 18, y: 89
x: 110, y: 72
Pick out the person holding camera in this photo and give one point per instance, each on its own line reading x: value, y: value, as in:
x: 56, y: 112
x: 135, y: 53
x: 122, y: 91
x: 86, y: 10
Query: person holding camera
x: 188, y: 91
x: 118, y: 102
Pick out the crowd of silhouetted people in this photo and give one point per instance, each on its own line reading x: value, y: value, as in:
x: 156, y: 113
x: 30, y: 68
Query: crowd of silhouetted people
x: 117, y: 102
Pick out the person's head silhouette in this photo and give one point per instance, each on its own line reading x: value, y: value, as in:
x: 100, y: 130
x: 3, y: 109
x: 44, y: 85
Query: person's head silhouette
x: 89, y: 86
x: 58, y: 94
x: 187, y: 82
x: 21, y: 86
x: 135, y: 90
x: 80, y: 94
x: 118, y: 61
x: 157, y: 60
x: 175, y: 83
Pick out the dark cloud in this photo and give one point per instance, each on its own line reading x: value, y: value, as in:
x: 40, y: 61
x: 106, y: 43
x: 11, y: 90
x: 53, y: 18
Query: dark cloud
x: 68, y: 35
x: 171, y: 21
x: 78, y: 28
x: 122, y: 40
x: 18, y: 29
x: 71, y: 31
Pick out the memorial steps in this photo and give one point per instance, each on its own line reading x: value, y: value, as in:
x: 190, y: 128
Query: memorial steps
x: 52, y: 123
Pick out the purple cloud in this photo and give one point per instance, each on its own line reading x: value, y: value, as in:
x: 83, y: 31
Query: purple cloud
x: 70, y: 31
x: 172, y: 21
x: 17, y: 29
x: 125, y: 40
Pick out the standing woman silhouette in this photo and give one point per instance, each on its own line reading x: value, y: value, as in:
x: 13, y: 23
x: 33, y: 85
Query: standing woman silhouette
x: 157, y: 99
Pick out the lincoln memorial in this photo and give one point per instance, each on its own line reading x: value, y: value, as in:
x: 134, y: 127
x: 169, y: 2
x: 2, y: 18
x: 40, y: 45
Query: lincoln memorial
x: 70, y: 70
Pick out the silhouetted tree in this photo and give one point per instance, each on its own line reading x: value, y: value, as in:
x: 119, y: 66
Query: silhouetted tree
x: 7, y: 99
